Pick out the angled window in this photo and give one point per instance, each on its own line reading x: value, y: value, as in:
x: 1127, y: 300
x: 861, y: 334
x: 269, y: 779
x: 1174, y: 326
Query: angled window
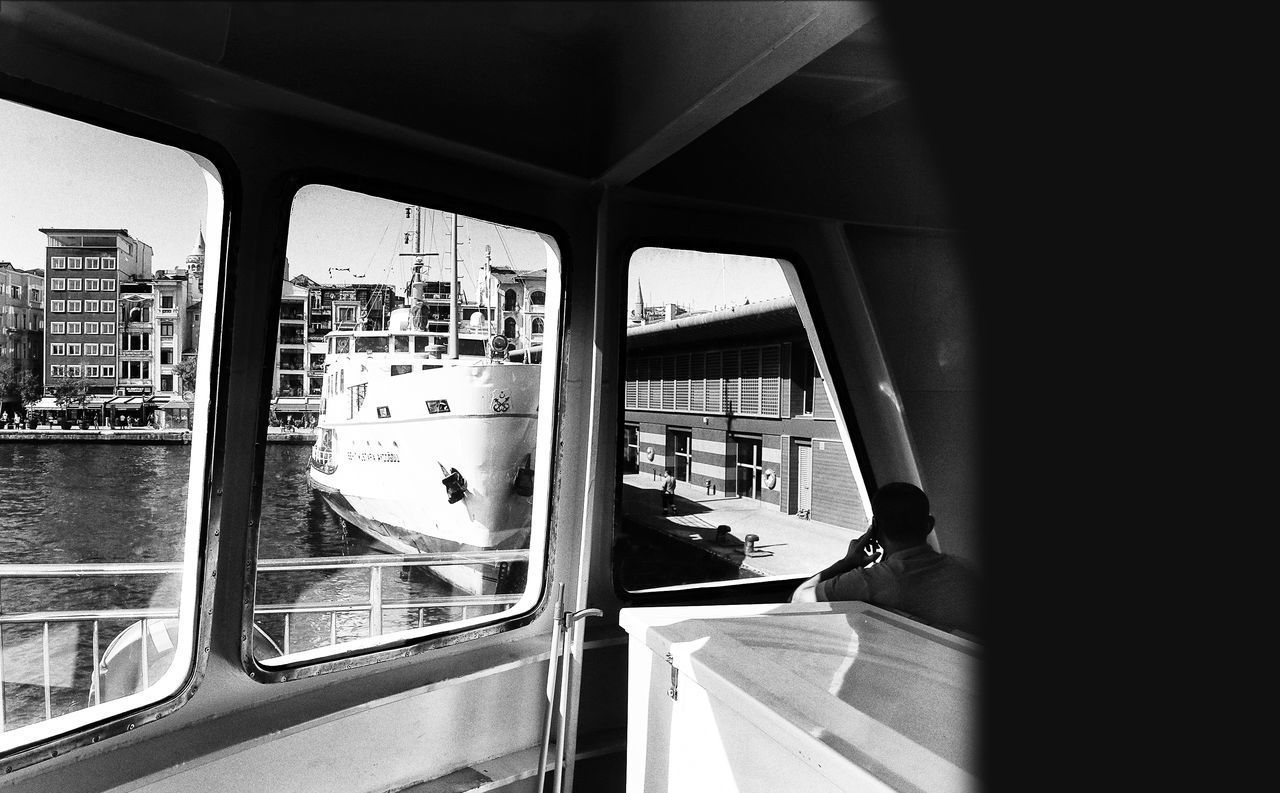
x: 720, y: 392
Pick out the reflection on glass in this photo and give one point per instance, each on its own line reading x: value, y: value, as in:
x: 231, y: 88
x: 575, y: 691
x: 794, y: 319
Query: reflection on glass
x: 722, y: 393
x: 414, y: 486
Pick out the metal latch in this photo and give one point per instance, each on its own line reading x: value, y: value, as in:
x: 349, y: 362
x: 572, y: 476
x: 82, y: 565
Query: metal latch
x: 674, y: 691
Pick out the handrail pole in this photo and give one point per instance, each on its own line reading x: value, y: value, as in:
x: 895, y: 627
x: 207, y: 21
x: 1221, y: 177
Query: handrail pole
x: 146, y: 661
x: 96, y: 674
x: 375, y: 601
x: 1, y: 678
x: 553, y: 663
x: 48, y: 704
x: 286, y: 633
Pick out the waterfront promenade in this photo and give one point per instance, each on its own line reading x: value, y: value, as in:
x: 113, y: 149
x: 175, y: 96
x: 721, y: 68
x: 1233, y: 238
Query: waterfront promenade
x: 134, y: 435
x: 786, y: 545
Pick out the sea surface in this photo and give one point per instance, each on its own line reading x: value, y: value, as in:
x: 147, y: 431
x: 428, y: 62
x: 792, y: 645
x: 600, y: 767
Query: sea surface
x: 101, y: 503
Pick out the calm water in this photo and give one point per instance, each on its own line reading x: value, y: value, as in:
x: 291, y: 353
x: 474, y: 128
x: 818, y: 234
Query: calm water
x: 69, y: 503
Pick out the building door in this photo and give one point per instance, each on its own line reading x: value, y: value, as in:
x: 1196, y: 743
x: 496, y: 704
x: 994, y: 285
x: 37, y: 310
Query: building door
x: 681, y: 444
x: 631, y: 449
x: 748, y: 467
x: 804, y: 479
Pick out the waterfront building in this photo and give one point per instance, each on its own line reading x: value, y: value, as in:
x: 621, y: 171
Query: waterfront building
x: 86, y: 270
x: 21, y: 325
x: 732, y: 400
x: 117, y: 325
x: 521, y: 297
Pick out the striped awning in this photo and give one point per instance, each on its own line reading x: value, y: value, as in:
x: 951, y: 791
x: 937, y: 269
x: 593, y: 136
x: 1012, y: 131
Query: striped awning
x: 124, y: 402
x: 45, y: 403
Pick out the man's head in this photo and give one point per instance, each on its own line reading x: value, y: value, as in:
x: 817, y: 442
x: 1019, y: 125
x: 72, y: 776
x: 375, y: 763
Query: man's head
x: 902, y: 513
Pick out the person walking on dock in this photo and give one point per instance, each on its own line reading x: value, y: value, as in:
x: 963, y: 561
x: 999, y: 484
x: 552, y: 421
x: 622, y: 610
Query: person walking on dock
x: 669, y: 493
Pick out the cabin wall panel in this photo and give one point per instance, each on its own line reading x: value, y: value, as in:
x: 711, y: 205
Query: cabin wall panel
x: 923, y: 312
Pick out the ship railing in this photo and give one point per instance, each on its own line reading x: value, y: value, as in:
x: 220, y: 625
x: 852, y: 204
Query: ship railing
x: 374, y: 604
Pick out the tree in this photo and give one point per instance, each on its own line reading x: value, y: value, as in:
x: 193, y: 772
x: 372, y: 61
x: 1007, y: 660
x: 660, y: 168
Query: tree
x: 70, y: 391
x: 186, y: 372
x: 19, y: 384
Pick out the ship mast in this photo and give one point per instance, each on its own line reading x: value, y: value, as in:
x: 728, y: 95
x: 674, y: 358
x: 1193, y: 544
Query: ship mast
x: 453, y: 293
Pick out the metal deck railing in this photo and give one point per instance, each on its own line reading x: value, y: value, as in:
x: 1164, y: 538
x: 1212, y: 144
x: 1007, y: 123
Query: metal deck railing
x: 374, y: 604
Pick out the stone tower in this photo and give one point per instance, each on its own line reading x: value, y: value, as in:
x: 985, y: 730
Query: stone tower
x: 195, y: 271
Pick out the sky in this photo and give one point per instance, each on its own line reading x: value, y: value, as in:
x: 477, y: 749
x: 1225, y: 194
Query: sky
x: 60, y: 173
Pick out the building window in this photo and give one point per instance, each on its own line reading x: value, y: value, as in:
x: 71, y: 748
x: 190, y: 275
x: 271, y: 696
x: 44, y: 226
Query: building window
x: 166, y: 329
x: 91, y: 284
x: 35, y: 295
x: 75, y: 349
x: 75, y: 370
x: 537, y: 298
x: 58, y: 348
x: 109, y: 349
x: 74, y: 328
x: 509, y: 300
x: 57, y: 328
x: 58, y: 263
x: 58, y: 284
x: 537, y: 326
x: 58, y: 370
x: 74, y: 263
x: 90, y: 349
x: 91, y: 370
x: 108, y: 263
x: 166, y: 301
x: 166, y: 357
x: 108, y: 327
x: 137, y: 341
x: 108, y: 284
x: 91, y: 306
x: 57, y: 306
x: 166, y: 382
x: 91, y: 328
x: 108, y: 306
x: 91, y: 263
x: 74, y: 285
x: 509, y: 328
x: 74, y: 306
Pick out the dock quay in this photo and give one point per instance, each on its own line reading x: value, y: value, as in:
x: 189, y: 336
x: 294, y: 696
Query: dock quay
x: 135, y: 435
x: 786, y: 545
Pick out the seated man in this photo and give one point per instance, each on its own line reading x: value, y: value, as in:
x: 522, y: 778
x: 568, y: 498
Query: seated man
x: 910, y: 576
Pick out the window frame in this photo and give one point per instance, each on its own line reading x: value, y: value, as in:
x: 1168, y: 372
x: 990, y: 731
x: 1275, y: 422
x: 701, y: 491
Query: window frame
x: 356, y: 654
x: 170, y: 692
x: 58, y: 284
x: 738, y: 590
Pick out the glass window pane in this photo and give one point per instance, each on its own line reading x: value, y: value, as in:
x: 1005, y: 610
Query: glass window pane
x: 99, y: 541
x: 764, y: 485
x: 420, y: 504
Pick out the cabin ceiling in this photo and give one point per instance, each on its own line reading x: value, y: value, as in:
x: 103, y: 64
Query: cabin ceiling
x: 719, y: 100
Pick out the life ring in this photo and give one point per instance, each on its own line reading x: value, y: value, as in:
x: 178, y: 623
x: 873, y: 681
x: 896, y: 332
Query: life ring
x: 770, y: 478
x: 649, y: 451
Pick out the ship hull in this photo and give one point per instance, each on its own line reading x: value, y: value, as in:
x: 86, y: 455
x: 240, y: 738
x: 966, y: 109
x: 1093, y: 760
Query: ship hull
x: 384, y: 469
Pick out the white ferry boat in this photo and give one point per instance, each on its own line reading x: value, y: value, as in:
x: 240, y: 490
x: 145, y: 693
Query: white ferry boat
x: 426, y: 435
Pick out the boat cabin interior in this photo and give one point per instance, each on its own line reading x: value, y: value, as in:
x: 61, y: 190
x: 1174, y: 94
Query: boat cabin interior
x: 643, y: 146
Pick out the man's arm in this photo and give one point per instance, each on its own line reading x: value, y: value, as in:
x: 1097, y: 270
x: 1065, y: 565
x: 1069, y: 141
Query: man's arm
x: 861, y: 552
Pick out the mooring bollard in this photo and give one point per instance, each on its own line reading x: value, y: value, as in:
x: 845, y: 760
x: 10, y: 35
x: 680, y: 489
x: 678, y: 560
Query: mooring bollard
x: 708, y: 487
x: 721, y: 532
x: 751, y: 541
